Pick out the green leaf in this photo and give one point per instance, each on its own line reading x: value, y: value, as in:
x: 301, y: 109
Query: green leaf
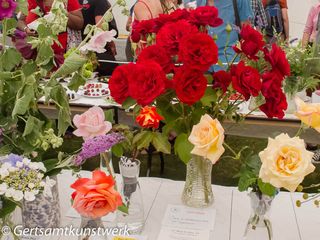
x: 76, y: 81
x: 247, y: 179
x: 29, y: 68
x: 71, y: 64
x: 143, y: 139
x: 267, y: 188
x: 33, y: 124
x: 129, y: 102
x: 23, y: 7
x: 6, y: 149
x: 183, y: 147
x: 123, y: 209
x: 161, y: 143
x: 45, y: 54
x: 109, y: 115
x: 50, y: 164
x: 8, y: 207
x: 209, y: 97
x: 24, y: 97
x: 43, y: 31
x: 10, y: 59
x: 117, y: 150
x: 9, y: 24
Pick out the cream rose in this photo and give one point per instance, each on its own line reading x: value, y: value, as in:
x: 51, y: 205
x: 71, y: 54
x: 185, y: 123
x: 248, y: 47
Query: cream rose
x: 309, y: 114
x: 285, y: 162
x: 207, y: 137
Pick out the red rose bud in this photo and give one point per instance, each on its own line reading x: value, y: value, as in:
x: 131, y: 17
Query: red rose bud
x: 149, y: 118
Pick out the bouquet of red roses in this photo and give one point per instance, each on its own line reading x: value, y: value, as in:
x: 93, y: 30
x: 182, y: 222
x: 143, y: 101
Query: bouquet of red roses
x: 171, y: 76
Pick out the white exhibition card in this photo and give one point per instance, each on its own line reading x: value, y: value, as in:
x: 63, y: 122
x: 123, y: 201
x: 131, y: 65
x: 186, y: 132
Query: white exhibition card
x: 178, y: 216
x: 167, y: 233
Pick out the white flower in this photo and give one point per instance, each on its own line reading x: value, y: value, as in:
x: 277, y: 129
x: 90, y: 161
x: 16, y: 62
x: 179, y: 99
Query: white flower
x: 29, y: 196
x: 3, y: 188
x: 6, y: 166
x: 4, y: 173
x: 26, y: 161
x: 48, y: 185
x: 31, y: 185
x: 17, y: 195
x: 9, y: 193
x: 19, y: 164
x: 40, y: 175
x: 35, y: 191
x: 12, y: 169
x: 34, y: 166
x: 41, y: 167
x: 98, y: 42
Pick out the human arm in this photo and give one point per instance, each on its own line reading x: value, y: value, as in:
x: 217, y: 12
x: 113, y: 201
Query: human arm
x: 75, y: 18
x: 141, y: 12
x: 128, y: 24
x: 285, y: 19
x: 308, y: 29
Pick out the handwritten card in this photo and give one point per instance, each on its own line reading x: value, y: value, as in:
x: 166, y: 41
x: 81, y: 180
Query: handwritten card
x: 183, y: 234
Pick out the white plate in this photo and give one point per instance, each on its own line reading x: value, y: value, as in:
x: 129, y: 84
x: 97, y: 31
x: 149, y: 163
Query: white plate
x: 93, y: 88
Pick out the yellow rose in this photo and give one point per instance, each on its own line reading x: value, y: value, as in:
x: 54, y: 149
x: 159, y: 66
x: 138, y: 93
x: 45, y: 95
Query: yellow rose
x: 308, y: 113
x: 207, y: 137
x: 285, y: 162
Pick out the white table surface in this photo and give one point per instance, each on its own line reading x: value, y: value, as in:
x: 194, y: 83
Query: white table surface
x: 233, y: 210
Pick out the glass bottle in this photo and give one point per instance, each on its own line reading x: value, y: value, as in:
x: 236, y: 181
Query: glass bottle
x: 89, y: 229
x: 259, y: 226
x: 131, y: 196
x: 198, y: 189
x: 106, y: 163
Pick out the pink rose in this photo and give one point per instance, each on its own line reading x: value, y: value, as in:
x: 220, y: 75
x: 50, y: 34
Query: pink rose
x: 91, y: 123
x: 98, y: 42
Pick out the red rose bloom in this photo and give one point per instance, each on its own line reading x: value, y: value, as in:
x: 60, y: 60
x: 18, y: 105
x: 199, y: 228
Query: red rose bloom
x: 141, y: 29
x: 190, y: 85
x: 118, y: 83
x: 251, y: 42
x: 198, y: 51
x: 278, y: 60
x: 221, y: 79
x: 148, y: 81
x: 157, y: 54
x: 246, y: 80
x: 276, y: 102
x: 206, y: 15
x: 170, y: 35
x: 179, y: 14
x: 149, y: 118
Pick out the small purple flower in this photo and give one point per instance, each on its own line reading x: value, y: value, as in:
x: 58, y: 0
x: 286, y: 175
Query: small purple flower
x: 7, y: 8
x: 12, y: 158
x: 18, y: 34
x: 94, y: 146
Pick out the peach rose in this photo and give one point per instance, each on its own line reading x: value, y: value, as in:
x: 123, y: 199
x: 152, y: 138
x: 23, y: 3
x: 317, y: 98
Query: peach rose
x: 91, y: 123
x: 207, y: 137
x: 308, y: 113
x: 95, y: 197
x: 285, y: 162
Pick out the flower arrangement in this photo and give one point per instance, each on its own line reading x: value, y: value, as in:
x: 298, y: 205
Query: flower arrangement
x: 171, y: 78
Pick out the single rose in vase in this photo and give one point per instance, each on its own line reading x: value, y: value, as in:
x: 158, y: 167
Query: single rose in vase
x: 285, y: 162
x: 91, y: 123
x: 95, y: 197
x: 207, y: 137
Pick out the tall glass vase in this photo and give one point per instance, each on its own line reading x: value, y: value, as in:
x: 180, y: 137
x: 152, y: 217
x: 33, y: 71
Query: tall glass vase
x: 131, y: 196
x: 259, y: 226
x: 197, y: 189
x: 44, y: 211
x: 89, y: 229
x: 106, y: 163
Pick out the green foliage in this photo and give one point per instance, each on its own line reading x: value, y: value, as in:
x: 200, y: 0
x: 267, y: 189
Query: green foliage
x: 109, y: 115
x: 9, y: 59
x: 183, y: 147
x: 143, y: 139
x: 76, y: 81
x: 72, y: 64
x: 129, y: 102
x: 267, y: 188
x: 8, y: 207
x: 161, y: 143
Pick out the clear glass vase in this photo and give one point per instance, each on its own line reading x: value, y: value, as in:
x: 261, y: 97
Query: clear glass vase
x: 259, y: 226
x: 44, y: 211
x: 91, y: 229
x: 106, y: 163
x: 198, y: 189
x: 131, y: 196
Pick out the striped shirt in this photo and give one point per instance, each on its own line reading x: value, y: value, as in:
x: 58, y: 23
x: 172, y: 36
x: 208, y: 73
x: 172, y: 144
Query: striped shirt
x: 260, y: 18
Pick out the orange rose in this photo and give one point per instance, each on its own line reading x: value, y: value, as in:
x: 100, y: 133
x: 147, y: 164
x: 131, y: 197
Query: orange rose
x: 149, y: 118
x: 95, y: 197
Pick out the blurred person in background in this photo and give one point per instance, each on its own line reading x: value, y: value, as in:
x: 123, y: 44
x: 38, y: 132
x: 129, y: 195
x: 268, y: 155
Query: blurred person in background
x: 259, y: 15
x: 75, y: 20
x: 93, y: 11
x: 278, y: 19
x: 311, y: 27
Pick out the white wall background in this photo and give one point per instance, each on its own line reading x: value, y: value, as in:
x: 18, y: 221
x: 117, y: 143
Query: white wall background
x: 298, y: 12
